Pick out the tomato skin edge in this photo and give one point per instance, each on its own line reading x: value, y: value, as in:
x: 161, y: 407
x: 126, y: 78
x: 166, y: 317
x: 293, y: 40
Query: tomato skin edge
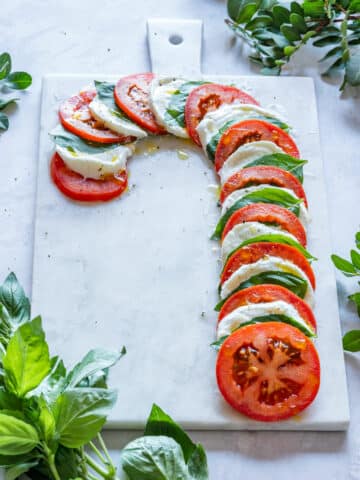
x: 151, y: 126
x: 268, y: 293
x: 229, y: 392
x: 191, y: 107
x: 57, y: 164
x: 260, y: 128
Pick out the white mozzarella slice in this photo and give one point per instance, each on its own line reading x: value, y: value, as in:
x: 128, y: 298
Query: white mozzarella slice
x: 248, y: 313
x: 245, y: 231
x: 114, y: 120
x: 266, y: 264
x: 245, y: 154
x: 230, y: 113
x: 238, y: 194
x: 161, y: 92
x: 98, y: 165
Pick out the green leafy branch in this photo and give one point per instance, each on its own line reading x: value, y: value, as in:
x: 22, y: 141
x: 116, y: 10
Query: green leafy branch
x: 351, y: 268
x: 275, y: 31
x: 9, y: 81
x: 51, y: 418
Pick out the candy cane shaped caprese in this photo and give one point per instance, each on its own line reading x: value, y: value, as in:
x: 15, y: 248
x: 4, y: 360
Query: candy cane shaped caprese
x: 267, y: 366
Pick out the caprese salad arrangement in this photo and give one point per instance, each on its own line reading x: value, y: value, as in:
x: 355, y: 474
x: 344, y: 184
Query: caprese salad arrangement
x: 267, y: 365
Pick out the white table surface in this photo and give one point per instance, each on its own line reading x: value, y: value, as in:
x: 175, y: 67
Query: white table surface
x: 90, y: 36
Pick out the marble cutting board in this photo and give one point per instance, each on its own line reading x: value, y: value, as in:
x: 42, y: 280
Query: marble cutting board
x: 141, y: 271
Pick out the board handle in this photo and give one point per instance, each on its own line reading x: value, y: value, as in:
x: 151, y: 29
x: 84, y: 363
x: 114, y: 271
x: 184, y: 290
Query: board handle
x: 175, y: 46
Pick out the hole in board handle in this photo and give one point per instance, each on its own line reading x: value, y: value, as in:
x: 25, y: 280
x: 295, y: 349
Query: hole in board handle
x: 176, y: 39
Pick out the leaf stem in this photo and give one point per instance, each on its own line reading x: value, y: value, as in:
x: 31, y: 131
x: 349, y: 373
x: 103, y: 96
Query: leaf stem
x: 96, y: 467
x: 105, y: 450
x: 97, y: 452
x: 50, y: 458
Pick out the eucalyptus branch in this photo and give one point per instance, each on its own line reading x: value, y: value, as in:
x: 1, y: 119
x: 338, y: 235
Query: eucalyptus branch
x: 275, y: 31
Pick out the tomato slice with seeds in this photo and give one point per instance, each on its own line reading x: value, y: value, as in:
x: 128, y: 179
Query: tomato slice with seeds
x: 76, y: 187
x: 268, y: 371
x: 259, y: 175
x: 132, y: 95
x: 76, y: 117
x: 267, y: 213
x: 265, y: 294
x: 254, y: 252
x: 207, y: 98
x: 248, y: 131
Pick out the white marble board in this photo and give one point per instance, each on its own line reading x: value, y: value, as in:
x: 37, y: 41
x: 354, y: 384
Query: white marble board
x: 141, y: 270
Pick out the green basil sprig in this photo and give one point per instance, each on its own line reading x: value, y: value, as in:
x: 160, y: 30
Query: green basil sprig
x: 9, y: 81
x: 276, y: 30
x: 351, y: 268
x: 51, y: 417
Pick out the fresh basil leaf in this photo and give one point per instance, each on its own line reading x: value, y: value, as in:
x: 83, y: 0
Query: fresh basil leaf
x: 355, y: 297
x: 93, y: 362
x: 80, y: 413
x: 6, y: 102
x: 175, y: 113
x: 16, y: 471
x: 66, y: 139
x: 9, y: 401
x: 67, y: 463
x: 54, y: 383
x: 270, y: 195
x: 277, y: 238
x: 105, y: 91
x: 16, y: 436
x: 5, y: 65
x: 215, y: 139
x: 15, y: 302
x: 46, y: 420
x: 154, y: 458
x: 18, y: 80
x: 197, y: 464
x: 344, y: 266
x: 159, y: 423
x: 351, y: 341
x: 292, y: 282
x: 26, y: 362
x: 7, y: 461
x: 283, y: 161
x: 4, y: 122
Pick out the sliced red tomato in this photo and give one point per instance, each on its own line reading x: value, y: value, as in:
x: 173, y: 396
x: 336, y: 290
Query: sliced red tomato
x: 265, y: 294
x: 269, y: 213
x: 262, y: 174
x: 254, y: 252
x: 76, y: 117
x: 207, y: 98
x: 248, y: 131
x: 77, y: 187
x: 268, y: 371
x: 132, y: 95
